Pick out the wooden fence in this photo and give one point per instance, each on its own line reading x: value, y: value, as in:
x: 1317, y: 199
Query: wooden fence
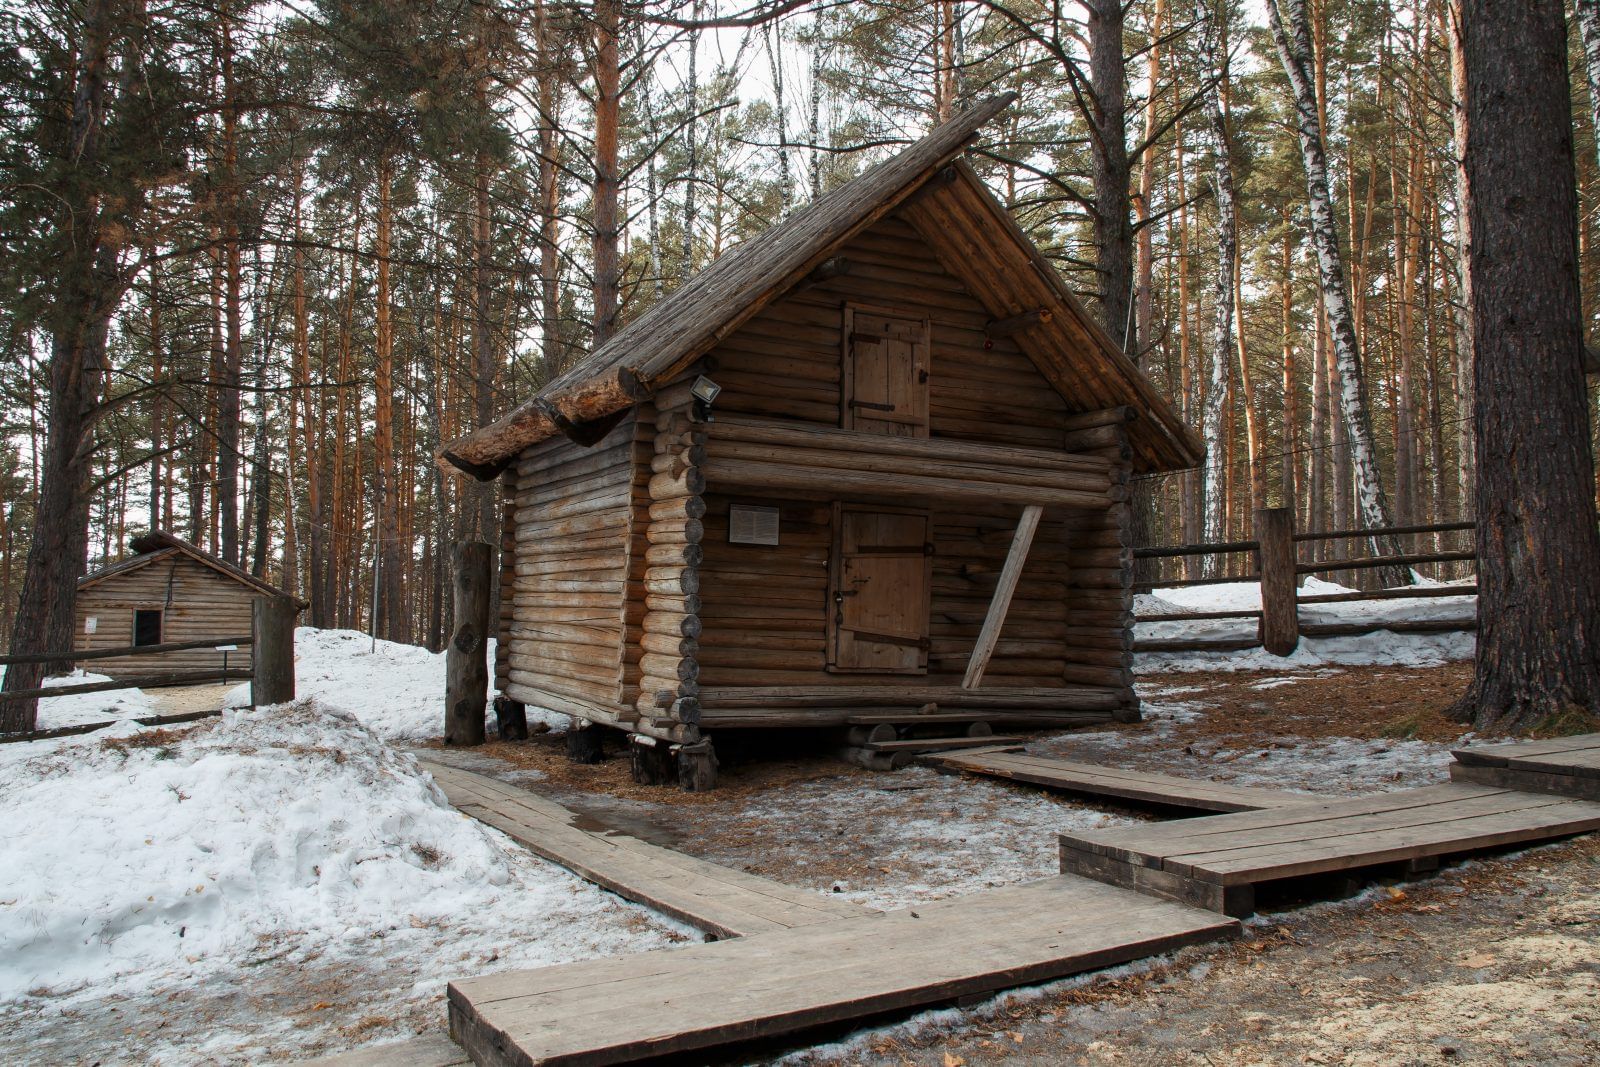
x: 271, y: 675
x: 1278, y: 567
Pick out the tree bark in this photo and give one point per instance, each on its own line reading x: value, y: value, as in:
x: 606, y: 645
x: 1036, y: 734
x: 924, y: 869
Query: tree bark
x: 1538, y: 547
x: 1108, y: 143
x: 607, y: 175
x: 1292, y: 36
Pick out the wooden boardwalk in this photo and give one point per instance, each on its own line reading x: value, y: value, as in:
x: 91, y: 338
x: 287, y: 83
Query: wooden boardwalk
x: 696, y: 997
x: 1091, y: 779
x: 1568, y: 766
x: 720, y: 901
x: 1217, y: 862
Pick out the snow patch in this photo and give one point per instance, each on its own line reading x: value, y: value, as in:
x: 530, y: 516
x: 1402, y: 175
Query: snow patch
x: 396, y: 690
x: 113, y: 704
x: 140, y: 858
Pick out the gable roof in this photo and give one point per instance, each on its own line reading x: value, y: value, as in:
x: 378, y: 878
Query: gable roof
x: 662, y: 342
x: 157, y: 545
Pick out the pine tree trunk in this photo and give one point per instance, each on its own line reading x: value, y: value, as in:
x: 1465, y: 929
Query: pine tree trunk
x: 1292, y: 35
x: 229, y: 407
x: 391, y: 622
x: 607, y: 176
x: 1108, y: 144
x: 1538, y: 547
x: 1466, y: 440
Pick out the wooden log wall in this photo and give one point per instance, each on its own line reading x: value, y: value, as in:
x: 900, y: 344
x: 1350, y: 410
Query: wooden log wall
x: 196, y: 603
x: 506, y: 581
x: 666, y: 692
x: 1100, y: 589
x: 574, y: 521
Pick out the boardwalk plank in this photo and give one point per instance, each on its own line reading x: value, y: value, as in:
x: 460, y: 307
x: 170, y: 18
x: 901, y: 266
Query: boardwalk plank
x: 717, y: 900
x: 700, y: 996
x: 1119, y: 783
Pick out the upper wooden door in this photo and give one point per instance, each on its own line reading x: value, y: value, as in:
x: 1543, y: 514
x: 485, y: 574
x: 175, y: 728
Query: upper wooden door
x: 886, y: 359
x: 880, y: 596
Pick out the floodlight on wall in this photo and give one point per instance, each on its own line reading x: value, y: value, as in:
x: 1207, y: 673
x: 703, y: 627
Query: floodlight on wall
x: 705, y: 392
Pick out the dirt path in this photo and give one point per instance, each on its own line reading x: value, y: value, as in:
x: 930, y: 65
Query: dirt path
x: 189, y: 698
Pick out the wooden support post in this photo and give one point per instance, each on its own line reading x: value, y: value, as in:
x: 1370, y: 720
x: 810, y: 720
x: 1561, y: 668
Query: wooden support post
x: 466, y: 667
x: 585, y: 742
x: 697, y: 767
x: 272, y: 654
x: 511, y: 717
x: 1004, y: 588
x: 651, y: 761
x: 1280, y: 614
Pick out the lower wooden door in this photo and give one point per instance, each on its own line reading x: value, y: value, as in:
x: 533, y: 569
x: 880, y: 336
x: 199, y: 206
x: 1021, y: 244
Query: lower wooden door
x: 881, y: 583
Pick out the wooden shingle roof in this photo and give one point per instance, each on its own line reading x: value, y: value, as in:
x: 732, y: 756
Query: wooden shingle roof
x: 666, y: 339
x: 157, y: 545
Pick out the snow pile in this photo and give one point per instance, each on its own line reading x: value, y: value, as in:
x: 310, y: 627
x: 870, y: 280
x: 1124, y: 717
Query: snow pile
x: 136, y: 858
x: 1379, y: 648
x: 110, y: 705
x: 397, y: 690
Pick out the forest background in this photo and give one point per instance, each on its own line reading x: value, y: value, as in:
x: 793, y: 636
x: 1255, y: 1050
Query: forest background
x: 334, y: 235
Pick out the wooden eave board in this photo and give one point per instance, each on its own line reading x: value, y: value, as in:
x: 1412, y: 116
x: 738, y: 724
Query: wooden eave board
x: 1342, y: 835
x: 718, y: 900
x: 694, y: 998
x: 1095, y: 780
x: 978, y: 242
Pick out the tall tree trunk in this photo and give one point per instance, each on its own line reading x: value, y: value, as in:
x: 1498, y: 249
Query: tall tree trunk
x: 548, y: 80
x: 1108, y: 144
x: 483, y: 349
x: 391, y: 622
x: 229, y: 407
x: 1219, y: 353
x: 607, y: 175
x: 1538, y: 547
x: 1466, y: 439
x: 89, y: 286
x: 1291, y: 33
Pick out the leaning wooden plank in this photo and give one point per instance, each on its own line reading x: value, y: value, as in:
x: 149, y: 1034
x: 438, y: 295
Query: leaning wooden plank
x: 1120, y: 783
x: 1005, y: 587
x: 700, y: 997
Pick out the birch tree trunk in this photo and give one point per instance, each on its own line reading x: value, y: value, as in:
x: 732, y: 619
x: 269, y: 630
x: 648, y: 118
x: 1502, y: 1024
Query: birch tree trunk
x: 1538, y: 655
x: 1219, y: 350
x: 1292, y: 35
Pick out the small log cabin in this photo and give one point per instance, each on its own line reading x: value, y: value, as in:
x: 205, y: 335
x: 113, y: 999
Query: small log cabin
x: 871, y: 464
x: 167, y: 591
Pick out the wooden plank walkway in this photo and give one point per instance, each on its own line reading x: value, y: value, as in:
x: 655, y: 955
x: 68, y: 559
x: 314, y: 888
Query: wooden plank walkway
x: 1218, y: 861
x: 691, y: 998
x: 720, y: 901
x: 1094, y: 780
x: 1568, y: 766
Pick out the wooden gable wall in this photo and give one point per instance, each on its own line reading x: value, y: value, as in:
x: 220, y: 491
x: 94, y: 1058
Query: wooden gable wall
x: 764, y: 609
x: 196, y: 601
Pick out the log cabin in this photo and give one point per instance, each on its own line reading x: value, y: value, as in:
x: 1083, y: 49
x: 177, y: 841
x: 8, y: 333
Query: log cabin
x: 870, y: 465
x: 167, y: 591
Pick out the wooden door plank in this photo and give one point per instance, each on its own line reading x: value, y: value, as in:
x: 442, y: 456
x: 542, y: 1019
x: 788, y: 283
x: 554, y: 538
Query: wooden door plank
x: 1004, y: 588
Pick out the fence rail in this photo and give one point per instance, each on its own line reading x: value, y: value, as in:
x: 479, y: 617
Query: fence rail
x: 1278, y: 569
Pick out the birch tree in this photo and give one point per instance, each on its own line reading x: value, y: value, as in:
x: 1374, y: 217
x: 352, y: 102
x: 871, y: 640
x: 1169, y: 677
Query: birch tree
x: 1291, y: 34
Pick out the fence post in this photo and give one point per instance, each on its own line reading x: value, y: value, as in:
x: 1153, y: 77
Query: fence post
x: 272, y: 650
x: 466, y: 667
x: 1280, y: 615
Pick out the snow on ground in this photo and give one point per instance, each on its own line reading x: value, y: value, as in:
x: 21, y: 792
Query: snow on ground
x: 397, y: 690
x: 1380, y: 648
x: 108, y: 706
x: 142, y: 865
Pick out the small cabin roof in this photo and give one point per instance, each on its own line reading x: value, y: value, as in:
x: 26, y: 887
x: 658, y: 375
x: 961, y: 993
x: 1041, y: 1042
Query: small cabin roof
x: 1010, y: 278
x: 158, y: 545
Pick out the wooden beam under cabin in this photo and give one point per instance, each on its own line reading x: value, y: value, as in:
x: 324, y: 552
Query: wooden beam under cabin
x: 1003, y: 590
